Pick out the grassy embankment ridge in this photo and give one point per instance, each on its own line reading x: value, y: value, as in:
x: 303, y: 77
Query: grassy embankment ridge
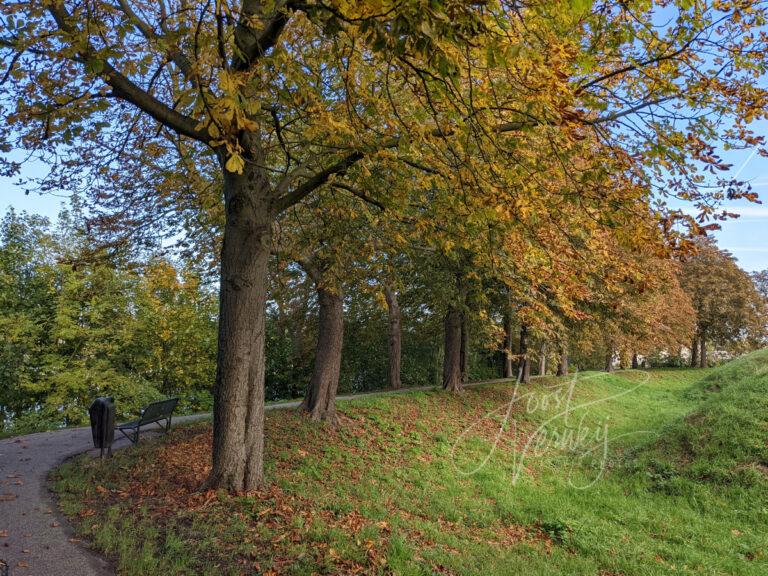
x: 680, y: 486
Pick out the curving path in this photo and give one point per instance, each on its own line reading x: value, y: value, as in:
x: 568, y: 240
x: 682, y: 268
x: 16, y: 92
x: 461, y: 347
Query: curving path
x: 35, y: 538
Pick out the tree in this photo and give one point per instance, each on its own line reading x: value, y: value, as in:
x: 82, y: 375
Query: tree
x: 760, y: 279
x: 175, y: 336
x: 395, y: 339
x: 275, y: 100
x: 27, y: 281
x: 79, y: 323
x: 729, y: 310
x: 320, y: 398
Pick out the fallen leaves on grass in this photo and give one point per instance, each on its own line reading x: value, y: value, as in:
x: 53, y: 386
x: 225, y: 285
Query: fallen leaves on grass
x: 301, y: 516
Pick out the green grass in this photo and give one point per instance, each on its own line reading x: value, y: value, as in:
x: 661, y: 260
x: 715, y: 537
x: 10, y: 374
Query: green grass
x: 680, y: 485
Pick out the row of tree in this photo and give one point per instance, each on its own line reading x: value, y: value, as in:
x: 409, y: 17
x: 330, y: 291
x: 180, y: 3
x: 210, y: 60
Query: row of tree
x: 78, y: 324
x: 504, y: 158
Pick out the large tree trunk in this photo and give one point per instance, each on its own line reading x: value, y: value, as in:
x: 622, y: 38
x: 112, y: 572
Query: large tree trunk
x: 508, y: 369
x: 543, y: 360
x: 464, y: 348
x: 238, y: 412
x: 525, y: 363
x: 452, y: 357
x: 320, y: 398
x: 695, y: 351
x: 609, y: 360
x: 562, y: 365
x: 703, y: 360
x: 393, y: 311
x: 635, y: 362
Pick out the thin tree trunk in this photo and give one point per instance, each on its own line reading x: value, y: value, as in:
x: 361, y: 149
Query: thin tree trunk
x: 704, y: 361
x: 320, y: 398
x: 635, y: 361
x: 609, y: 360
x: 238, y: 413
x: 452, y: 356
x: 562, y: 366
x: 525, y: 363
x: 395, y: 343
x: 508, y: 370
x: 543, y: 360
x: 695, y: 351
x: 464, y: 348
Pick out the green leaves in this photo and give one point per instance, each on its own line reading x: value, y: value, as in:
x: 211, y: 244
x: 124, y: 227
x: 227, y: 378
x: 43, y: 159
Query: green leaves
x: 94, y: 66
x: 70, y: 333
x: 580, y: 6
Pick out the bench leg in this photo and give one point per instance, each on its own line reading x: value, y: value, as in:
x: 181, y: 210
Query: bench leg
x: 167, y: 426
x: 133, y: 437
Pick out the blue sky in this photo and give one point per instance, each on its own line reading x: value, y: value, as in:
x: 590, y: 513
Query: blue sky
x: 747, y: 237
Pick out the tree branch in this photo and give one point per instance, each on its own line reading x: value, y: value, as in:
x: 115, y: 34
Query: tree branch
x: 123, y: 87
x: 314, y: 182
x: 628, y: 111
x: 633, y: 67
x: 252, y: 45
x: 174, y: 52
x: 360, y: 194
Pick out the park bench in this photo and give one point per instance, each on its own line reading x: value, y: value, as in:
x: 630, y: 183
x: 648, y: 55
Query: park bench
x: 152, y: 414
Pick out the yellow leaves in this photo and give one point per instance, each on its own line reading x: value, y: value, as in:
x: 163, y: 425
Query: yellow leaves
x: 229, y: 82
x: 222, y: 7
x: 235, y: 163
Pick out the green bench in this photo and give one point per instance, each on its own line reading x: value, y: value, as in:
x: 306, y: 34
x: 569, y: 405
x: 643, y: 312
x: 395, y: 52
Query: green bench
x: 153, y: 414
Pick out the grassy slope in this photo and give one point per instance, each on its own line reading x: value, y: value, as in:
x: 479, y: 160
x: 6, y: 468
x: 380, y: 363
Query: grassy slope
x: 383, y: 494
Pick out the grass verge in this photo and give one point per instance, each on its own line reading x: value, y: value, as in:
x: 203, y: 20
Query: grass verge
x: 589, y: 476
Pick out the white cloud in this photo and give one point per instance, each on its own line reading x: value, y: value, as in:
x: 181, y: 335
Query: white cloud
x: 735, y: 249
x: 748, y: 211
x: 753, y: 211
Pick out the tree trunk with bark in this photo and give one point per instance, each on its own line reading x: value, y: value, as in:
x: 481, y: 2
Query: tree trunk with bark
x: 609, y: 360
x: 464, y: 348
x: 320, y: 398
x: 635, y: 361
x: 508, y: 370
x: 524, y: 366
x: 695, y: 351
x: 238, y: 415
x: 543, y: 360
x: 562, y: 365
x: 395, y: 343
x: 703, y: 360
x: 452, y: 356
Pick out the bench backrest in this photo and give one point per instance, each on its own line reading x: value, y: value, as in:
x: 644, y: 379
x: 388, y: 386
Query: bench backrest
x: 159, y: 410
